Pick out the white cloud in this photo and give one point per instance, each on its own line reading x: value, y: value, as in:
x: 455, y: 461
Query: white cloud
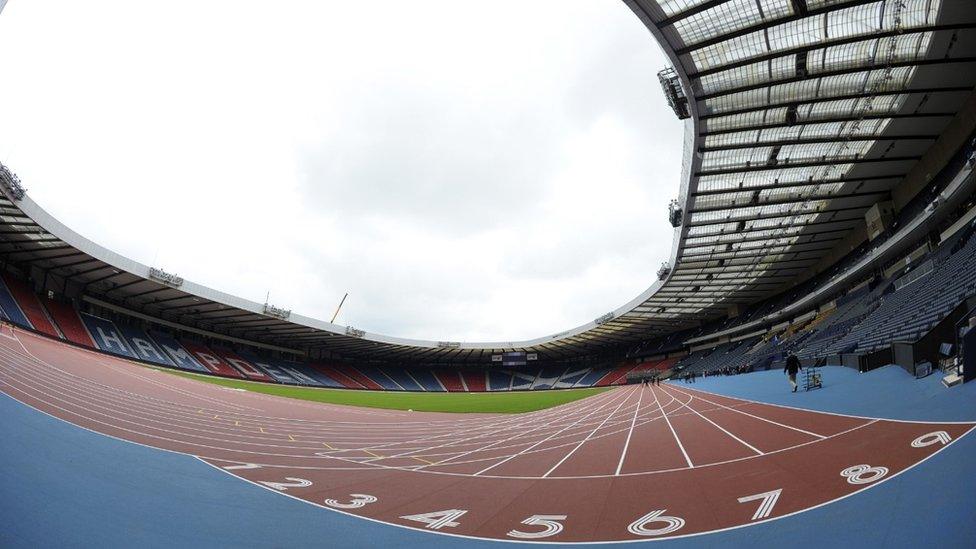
x: 464, y: 171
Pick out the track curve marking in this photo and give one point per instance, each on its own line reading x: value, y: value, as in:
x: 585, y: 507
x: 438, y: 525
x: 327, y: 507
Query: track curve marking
x: 626, y: 465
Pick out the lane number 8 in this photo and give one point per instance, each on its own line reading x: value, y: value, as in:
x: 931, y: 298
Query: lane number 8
x: 863, y: 474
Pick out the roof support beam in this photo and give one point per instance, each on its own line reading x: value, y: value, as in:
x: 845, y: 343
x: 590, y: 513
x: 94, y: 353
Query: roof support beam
x: 765, y: 238
x: 807, y: 164
x: 735, y: 254
x: 827, y: 44
x: 789, y: 200
x: 786, y: 124
x: 808, y: 183
x: 777, y: 216
x: 836, y: 72
x: 767, y: 24
x: 815, y: 141
x: 745, y: 230
x: 843, y: 97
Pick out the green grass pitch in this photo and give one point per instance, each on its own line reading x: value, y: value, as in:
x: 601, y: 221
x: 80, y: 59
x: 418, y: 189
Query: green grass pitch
x: 509, y: 402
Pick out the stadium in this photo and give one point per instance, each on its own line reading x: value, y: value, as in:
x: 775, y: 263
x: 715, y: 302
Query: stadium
x: 825, y: 214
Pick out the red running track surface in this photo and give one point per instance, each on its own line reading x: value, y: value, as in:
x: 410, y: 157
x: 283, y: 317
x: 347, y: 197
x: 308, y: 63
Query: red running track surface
x: 630, y: 463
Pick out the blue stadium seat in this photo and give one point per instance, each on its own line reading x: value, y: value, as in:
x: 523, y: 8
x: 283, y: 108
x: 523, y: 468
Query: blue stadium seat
x: 107, y: 337
x: 426, y: 379
x: 144, y: 346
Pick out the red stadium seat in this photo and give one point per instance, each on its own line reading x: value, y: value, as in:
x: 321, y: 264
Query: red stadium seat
x: 475, y: 381
x: 359, y: 377
x: 239, y: 363
x: 67, y: 319
x: 451, y: 380
x: 335, y: 374
x: 211, y: 360
x: 31, y: 306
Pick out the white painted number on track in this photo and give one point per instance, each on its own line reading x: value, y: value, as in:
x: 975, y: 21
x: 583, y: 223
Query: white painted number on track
x: 438, y: 519
x: 768, y: 502
x: 242, y: 466
x: 639, y: 526
x: 284, y: 486
x: 941, y: 437
x: 357, y: 501
x: 863, y: 474
x: 550, y: 523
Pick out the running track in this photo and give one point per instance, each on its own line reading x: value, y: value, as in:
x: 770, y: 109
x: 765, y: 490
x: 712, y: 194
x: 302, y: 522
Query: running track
x: 629, y: 464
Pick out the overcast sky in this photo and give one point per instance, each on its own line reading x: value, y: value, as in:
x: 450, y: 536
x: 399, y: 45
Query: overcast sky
x: 465, y: 170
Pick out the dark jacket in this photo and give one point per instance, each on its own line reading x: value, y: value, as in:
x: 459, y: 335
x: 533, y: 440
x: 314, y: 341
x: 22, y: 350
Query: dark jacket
x: 792, y: 365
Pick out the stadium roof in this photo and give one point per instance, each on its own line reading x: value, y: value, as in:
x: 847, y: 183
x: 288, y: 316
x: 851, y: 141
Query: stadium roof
x: 802, y: 115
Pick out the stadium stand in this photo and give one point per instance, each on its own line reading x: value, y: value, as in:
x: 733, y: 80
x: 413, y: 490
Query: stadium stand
x: 499, y: 380
x: 548, y: 377
x: 475, y: 381
x: 591, y: 378
x: 210, y: 359
x: 426, y: 379
x: 401, y: 377
x: 616, y: 376
x: 354, y: 374
x: 862, y: 312
x: 30, y: 305
x: 176, y: 352
x: 143, y: 346
x: 305, y: 373
x: 450, y: 379
x: 106, y: 335
x: 10, y: 308
x: 240, y: 364
x: 68, y: 321
x: 280, y: 374
x: 523, y: 380
x: 378, y: 377
x: 333, y: 373
x: 570, y: 378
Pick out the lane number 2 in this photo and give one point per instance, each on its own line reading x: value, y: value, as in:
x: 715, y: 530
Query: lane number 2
x: 284, y: 486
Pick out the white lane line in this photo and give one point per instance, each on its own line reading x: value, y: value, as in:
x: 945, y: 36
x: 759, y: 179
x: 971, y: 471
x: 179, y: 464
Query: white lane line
x: 518, y: 423
x: 318, y: 467
x: 73, y: 395
x: 114, y: 392
x: 630, y: 433
x: 99, y: 363
x: 744, y: 443
x: 479, y: 449
x: 157, y: 414
x: 115, y: 406
x: 797, y: 429
x: 588, y: 437
x: 673, y: 432
x: 490, y: 467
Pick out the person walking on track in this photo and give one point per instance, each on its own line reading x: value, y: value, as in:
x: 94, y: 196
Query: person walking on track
x: 792, y: 367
